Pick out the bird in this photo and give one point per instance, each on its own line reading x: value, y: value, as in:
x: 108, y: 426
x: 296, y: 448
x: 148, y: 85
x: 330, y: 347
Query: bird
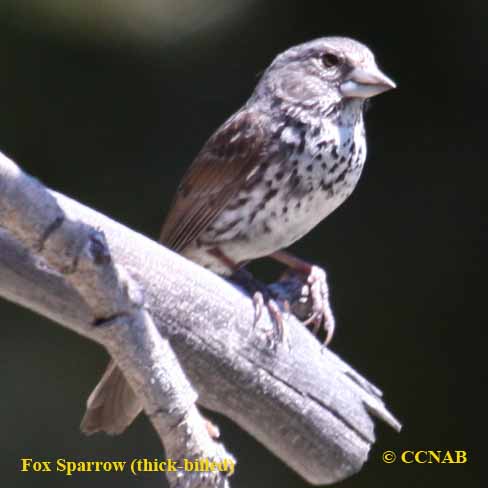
x: 274, y: 170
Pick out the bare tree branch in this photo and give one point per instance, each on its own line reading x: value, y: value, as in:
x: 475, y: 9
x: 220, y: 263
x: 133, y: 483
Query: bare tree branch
x: 79, y: 254
x: 301, y: 401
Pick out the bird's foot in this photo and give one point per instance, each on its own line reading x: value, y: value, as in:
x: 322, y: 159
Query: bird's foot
x: 308, y: 284
x: 321, y: 315
x: 263, y: 297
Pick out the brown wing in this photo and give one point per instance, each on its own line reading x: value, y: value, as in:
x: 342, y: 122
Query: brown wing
x: 219, y: 171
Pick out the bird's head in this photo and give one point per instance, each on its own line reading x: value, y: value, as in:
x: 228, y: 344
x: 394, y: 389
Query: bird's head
x: 326, y: 70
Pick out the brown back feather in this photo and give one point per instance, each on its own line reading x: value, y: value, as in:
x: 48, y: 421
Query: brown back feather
x: 219, y: 171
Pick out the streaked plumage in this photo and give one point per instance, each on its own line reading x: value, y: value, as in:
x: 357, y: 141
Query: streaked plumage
x: 278, y: 166
x: 267, y: 176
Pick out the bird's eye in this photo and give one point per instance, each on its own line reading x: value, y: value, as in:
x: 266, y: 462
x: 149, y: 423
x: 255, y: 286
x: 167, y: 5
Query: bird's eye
x: 330, y: 60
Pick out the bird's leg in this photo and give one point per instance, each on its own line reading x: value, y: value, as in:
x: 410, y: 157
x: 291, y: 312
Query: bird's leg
x: 261, y: 295
x: 321, y: 315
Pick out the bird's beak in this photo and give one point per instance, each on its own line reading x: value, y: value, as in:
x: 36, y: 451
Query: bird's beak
x: 365, y: 83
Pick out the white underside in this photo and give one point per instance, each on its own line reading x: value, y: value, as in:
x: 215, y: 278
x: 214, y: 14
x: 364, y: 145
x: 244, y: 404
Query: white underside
x: 301, y: 215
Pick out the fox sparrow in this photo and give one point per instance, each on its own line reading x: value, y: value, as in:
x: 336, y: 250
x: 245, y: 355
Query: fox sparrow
x: 283, y: 162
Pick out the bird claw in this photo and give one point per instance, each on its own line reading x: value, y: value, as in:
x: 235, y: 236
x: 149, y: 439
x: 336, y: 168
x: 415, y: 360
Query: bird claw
x: 263, y: 297
x: 258, y: 302
x: 306, y: 295
x: 307, y: 299
x: 322, y: 315
x: 277, y: 334
x: 277, y: 317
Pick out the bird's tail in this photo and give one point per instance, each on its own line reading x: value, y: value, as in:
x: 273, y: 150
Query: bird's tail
x: 112, y: 405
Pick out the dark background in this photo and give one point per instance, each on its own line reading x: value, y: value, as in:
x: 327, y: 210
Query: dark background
x: 110, y: 107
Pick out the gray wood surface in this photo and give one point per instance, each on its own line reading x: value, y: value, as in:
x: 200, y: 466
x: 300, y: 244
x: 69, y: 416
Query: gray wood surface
x: 301, y: 400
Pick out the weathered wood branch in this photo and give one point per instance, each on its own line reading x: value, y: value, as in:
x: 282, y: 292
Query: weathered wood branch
x: 117, y: 318
x: 301, y: 401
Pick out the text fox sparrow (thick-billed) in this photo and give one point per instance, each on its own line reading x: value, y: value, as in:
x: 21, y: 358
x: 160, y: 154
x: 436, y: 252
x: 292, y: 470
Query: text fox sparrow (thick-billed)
x: 277, y: 167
